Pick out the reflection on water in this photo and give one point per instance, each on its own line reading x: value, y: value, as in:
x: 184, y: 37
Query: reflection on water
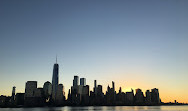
x: 103, y: 108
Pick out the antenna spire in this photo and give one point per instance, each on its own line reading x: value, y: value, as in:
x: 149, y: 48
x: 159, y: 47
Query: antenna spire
x: 56, y: 58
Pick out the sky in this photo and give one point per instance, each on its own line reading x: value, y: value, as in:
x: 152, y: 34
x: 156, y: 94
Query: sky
x: 136, y: 44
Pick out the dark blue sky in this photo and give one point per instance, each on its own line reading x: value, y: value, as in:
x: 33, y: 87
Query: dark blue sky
x: 100, y: 39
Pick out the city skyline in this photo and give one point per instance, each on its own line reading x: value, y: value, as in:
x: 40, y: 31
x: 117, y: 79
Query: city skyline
x: 52, y: 94
x: 137, y: 44
x: 81, y: 81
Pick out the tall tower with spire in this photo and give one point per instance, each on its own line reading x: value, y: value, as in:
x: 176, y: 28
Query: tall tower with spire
x: 55, y: 80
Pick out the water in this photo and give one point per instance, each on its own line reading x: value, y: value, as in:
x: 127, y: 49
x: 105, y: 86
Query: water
x: 103, y: 108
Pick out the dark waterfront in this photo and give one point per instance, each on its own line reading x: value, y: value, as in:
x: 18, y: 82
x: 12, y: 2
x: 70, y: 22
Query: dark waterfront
x: 103, y: 108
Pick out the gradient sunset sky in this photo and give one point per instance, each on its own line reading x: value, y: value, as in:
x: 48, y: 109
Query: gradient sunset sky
x: 135, y: 43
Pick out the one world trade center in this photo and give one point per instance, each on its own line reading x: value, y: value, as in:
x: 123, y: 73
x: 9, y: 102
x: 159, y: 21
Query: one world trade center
x: 55, y: 80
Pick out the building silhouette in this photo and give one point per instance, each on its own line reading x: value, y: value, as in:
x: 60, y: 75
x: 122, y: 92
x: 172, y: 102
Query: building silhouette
x: 13, y: 94
x: 129, y: 98
x: 39, y: 97
x: 139, y: 97
x: 19, y: 99
x: 75, y: 81
x: 148, y: 97
x: 83, y: 81
x: 120, y: 97
x: 47, y: 87
x: 75, y: 97
x: 155, y: 96
x: 30, y: 88
x: 60, y: 96
x: 55, y: 80
x: 111, y: 95
x: 95, y: 87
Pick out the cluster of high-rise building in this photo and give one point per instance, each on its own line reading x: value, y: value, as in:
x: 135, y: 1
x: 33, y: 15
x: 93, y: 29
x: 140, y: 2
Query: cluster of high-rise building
x: 52, y: 94
x: 79, y: 94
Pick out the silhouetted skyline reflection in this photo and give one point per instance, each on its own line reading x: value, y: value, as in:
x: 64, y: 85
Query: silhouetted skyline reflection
x: 103, y: 108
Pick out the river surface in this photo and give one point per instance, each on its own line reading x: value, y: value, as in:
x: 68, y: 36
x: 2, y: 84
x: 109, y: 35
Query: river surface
x: 103, y: 108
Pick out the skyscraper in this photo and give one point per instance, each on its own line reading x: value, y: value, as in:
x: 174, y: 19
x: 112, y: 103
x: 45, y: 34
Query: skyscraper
x: 155, y: 96
x: 75, y: 81
x: 74, y: 91
x: 13, y: 94
x: 95, y: 87
x: 55, y: 80
x: 99, y: 90
x: 148, y: 97
x: 139, y: 97
x: 60, y: 95
x: 47, y: 87
x: 113, y: 86
x: 83, y: 81
x: 30, y: 88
